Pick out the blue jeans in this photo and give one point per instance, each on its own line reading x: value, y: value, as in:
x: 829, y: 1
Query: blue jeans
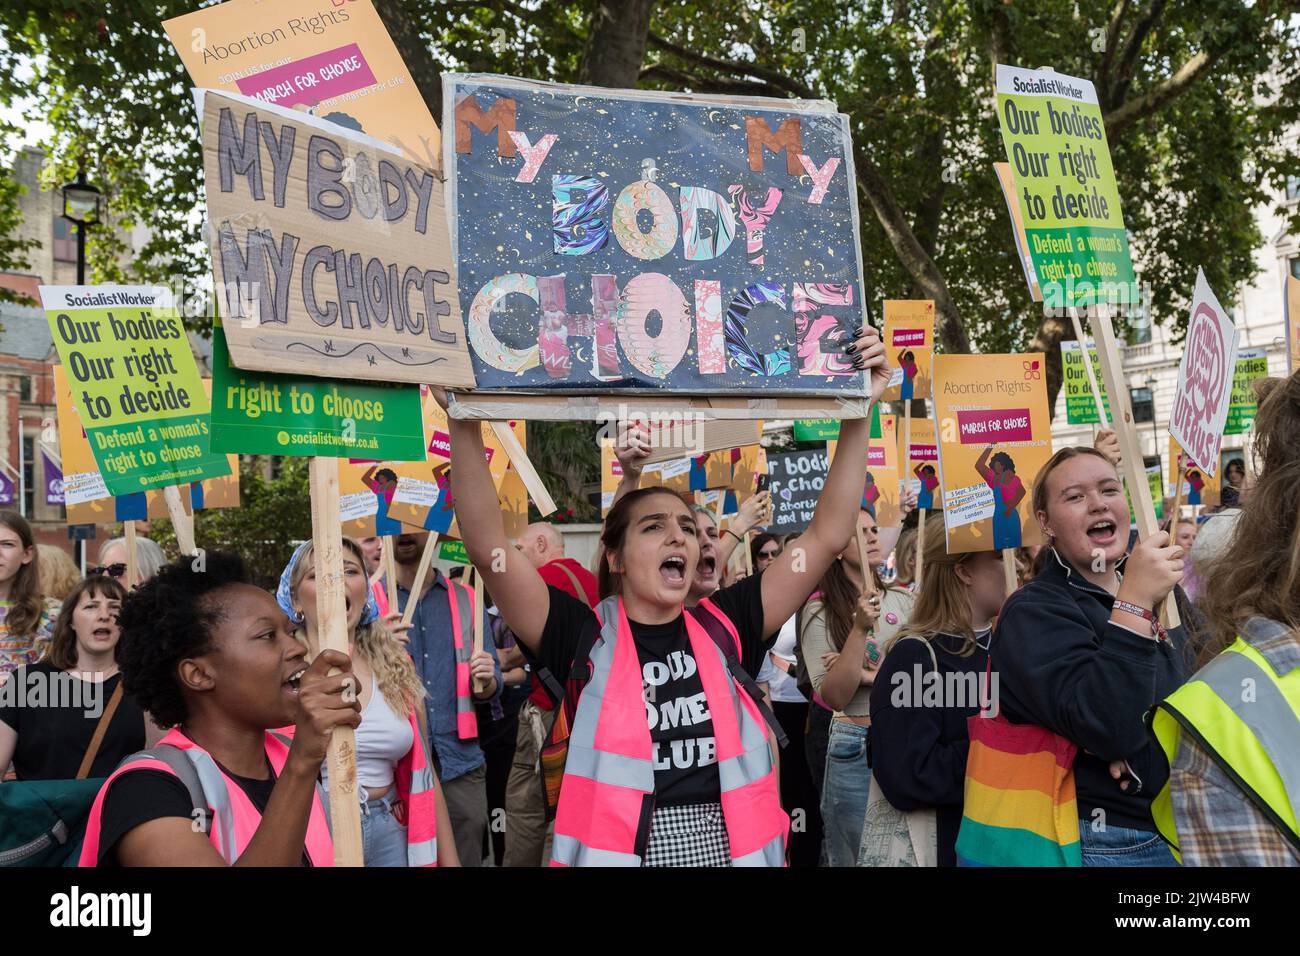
x: 1122, y: 846
x: 383, y: 839
x: 844, y: 792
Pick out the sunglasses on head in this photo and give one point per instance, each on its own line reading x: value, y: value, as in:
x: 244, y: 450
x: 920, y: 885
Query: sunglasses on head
x: 112, y: 570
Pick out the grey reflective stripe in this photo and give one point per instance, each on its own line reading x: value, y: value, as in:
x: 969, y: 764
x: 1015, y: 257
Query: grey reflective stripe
x: 421, y: 780
x: 1270, y: 716
x: 218, y: 798
x: 773, y: 854
x: 422, y: 854
x: 572, y: 852
x: 736, y: 772
x: 606, y: 767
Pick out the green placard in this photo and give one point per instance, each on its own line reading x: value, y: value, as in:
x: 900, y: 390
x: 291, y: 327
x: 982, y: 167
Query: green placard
x: 812, y: 429
x: 1251, y: 364
x: 1156, y: 481
x: 449, y: 549
x: 135, y: 384
x: 1080, y: 408
x: 1055, y: 141
x: 262, y: 413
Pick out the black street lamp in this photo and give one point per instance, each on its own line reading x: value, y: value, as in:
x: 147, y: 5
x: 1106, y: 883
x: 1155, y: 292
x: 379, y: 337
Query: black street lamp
x: 82, y: 205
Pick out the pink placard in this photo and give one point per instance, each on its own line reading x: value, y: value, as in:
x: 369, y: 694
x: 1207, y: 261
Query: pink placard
x: 924, y: 453
x: 875, y: 457
x: 903, y: 337
x: 440, y: 444
x: 311, y: 80
x: 987, y: 426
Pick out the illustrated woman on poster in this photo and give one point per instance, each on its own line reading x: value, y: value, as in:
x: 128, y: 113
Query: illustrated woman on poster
x: 1195, y: 483
x: 383, y: 482
x: 929, y: 482
x: 870, y: 495
x: 1008, y: 491
x: 907, y: 365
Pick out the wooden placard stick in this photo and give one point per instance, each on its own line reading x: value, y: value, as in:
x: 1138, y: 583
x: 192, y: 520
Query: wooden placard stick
x: 331, y: 612
x: 920, y: 551
x: 527, y: 473
x: 1009, y: 570
x: 1131, y: 450
x: 182, y: 521
x: 422, y: 572
x: 1102, y: 418
x: 132, y: 562
x: 479, y: 685
x: 1178, y: 500
x: 748, y: 557
x: 390, y: 571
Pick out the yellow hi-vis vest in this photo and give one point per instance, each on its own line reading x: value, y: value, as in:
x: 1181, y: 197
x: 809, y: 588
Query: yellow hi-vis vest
x: 1247, y: 719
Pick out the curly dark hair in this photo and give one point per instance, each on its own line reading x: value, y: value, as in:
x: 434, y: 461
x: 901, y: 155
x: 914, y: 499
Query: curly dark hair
x: 170, y: 617
x: 1004, y: 459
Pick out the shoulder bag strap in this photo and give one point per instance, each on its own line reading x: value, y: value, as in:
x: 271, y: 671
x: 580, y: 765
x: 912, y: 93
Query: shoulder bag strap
x: 101, y: 728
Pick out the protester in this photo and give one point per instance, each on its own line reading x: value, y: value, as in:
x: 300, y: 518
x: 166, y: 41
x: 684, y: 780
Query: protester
x: 1078, y: 653
x: 149, y: 559
x: 918, y: 747
x: 1234, y: 473
x: 842, y: 631
x: 26, y: 616
x: 527, y: 837
x: 685, y: 770
x: 905, y: 556
x: 441, y: 645
x: 1185, y: 534
x: 372, y: 548
x: 57, y: 735
x: 498, y: 730
x: 764, y: 548
x: 1232, y: 795
x: 401, y: 813
x: 212, y: 656
x: 58, y: 574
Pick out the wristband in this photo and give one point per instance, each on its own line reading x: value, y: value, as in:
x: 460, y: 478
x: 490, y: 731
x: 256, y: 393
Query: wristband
x: 1157, y: 629
x: 734, y: 535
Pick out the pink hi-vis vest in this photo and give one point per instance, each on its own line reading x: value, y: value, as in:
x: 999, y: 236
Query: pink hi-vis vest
x: 417, y: 808
x: 233, y: 817
x: 609, y: 780
x: 461, y: 601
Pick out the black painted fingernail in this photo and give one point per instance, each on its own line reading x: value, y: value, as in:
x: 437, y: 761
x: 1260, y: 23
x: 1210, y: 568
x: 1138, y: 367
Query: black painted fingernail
x: 857, y: 333
x: 850, y: 348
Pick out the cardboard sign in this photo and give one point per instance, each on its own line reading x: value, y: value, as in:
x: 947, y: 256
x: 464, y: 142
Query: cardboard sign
x: 135, y: 384
x: 680, y: 438
x: 880, y: 495
x: 86, y: 497
x: 1204, y: 391
x: 994, y: 437
x: 1005, y: 180
x: 336, y: 63
x: 261, y: 413
x: 653, y: 243
x: 1065, y: 188
x: 797, y: 481
x: 331, y: 250
x: 1200, y: 485
x: 920, y: 464
x: 750, y: 465
x: 1080, y: 406
x: 1252, y: 364
x: 909, y: 344
x: 674, y: 475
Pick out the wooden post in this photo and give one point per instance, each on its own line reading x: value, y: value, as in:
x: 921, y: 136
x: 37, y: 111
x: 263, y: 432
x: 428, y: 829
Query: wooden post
x: 748, y: 557
x: 417, y: 586
x: 920, y: 549
x: 341, y: 758
x: 527, y: 473
x: 1102, y: 418
x: 1178, y: 501
x: 132, y: 562
x: 182, y: 521
x: 1009, y: 570
x: 390, y: 570
x: 1126, y: 430
x: 478, y: 627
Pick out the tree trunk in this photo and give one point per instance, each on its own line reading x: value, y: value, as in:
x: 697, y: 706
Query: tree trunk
x: 1053, y: 330
x: 616, y: 41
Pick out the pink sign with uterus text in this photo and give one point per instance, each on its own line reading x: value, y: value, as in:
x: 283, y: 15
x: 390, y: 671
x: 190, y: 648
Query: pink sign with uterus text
x: 1204, y: 379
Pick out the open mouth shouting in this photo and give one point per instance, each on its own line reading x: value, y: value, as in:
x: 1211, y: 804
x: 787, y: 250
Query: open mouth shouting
x: 673, y: 570
x: 1102, y: 532
x: 291, y: 683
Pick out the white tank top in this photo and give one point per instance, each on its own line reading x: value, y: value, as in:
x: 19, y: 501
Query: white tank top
x: 382, y: 740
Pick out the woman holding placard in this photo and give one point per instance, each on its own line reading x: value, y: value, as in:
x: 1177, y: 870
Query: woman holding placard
x: 1079, y: 652
x: 668, y: 762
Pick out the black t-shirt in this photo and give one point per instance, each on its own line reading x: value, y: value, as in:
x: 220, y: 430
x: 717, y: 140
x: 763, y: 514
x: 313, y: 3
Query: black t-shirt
x: 681, y: 727
x: 137, y: 797
x: 54, y: 728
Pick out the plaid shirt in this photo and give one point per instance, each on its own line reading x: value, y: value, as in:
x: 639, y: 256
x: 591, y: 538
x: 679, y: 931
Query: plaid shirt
x: 1217, y: 825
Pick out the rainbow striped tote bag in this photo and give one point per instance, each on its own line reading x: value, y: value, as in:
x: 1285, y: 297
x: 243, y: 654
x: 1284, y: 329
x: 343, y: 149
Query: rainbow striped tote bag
x: 1020, y: 808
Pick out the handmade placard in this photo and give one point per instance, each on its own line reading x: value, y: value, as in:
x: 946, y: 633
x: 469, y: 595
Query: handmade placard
x: 1205, y: 376
x: 330, y: 248
x: 615, y: 242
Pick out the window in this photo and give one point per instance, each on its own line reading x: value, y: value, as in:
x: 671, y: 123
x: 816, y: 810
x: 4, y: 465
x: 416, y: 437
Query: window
x: 1293, y: 187
x: 1144, y: 404
x: 1295, y: 268
x: 65, y: 241
x: 1139, y: 325
x: 25, y: 388
x: 29, y: 474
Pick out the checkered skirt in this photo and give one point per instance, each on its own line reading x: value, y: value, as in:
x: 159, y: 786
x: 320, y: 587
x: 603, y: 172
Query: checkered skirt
x: 692, y: 834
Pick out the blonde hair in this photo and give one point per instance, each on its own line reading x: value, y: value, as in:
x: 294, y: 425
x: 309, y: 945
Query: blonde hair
x: 943, y: 600
x: 905, y: 556
x: 56, y: 572
x: 373, y: 643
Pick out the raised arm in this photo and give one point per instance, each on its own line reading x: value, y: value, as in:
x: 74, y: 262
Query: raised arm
x: 519, y: 591
x: 982, y: 463
x: 368, y: 478
x: 791, y: 578
x: 746, y: 520
x: 631, y: 448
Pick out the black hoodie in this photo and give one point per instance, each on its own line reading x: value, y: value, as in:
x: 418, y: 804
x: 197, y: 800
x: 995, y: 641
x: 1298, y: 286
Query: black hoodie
x: 1063, y: 665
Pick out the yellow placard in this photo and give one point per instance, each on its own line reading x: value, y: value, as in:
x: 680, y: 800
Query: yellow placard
x: 1199, y: 488
x: 880, y: 493
x: 909, y: 345
x: 919, y: 463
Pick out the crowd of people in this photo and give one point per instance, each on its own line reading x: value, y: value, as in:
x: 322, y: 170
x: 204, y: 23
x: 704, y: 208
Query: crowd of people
x: 657, y: 710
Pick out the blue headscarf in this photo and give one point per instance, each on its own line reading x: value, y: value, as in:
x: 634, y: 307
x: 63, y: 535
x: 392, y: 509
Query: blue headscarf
x: 284, y: 596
